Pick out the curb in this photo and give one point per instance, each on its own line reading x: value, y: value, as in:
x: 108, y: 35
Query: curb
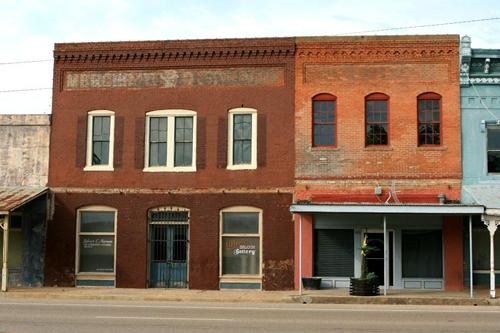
x: 396, y: 300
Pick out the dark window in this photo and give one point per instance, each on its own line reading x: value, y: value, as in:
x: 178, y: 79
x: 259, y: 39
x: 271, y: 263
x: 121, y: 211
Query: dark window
x: 376, y: 115
x: 100, y: 140
x: 157, y: 141
x: 242, y: 139
x: 429, y: 119
x: 240, y: 223
x: 422, y: 253
x: 183, y: 141
x: 494, y: 150
x: 324, y: 120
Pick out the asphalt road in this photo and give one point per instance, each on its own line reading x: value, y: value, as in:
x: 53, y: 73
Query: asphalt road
x: 19, y: 315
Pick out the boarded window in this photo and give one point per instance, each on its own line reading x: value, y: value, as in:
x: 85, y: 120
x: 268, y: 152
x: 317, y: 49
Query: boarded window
x: 334, y: 252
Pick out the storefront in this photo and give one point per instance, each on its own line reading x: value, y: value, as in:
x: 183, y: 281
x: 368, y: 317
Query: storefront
x: 415, y: 246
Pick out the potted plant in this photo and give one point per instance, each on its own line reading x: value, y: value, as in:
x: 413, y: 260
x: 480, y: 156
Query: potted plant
x: 367, y: 284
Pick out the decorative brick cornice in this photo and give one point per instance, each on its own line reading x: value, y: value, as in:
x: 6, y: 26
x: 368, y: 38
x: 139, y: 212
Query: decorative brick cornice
x: 175, y: 50
x: 378, y: 48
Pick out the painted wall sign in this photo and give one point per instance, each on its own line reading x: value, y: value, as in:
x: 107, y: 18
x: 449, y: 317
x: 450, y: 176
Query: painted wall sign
x: 174, y: 78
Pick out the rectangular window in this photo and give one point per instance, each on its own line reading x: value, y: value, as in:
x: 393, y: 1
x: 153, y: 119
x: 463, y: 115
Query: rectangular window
x: 493, y: 149
x: 100, y: 141
x: 170, y: 141
x: 240, y: 243
x: 242, y: 139
x: 158, y: 141
x: 242, y: 143
x: 422, y: 253
x: 183, y: 141
x: 96, y: 241
x: 324, y: 123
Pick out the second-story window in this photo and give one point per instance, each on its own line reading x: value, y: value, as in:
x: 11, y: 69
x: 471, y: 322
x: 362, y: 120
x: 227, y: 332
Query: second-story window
x: 494, y: 149
x: 170, y: 138
x: 242, y: 143
x: 324, y: 120
x: 429, y: 119
x: 100, y: 140
x: 376, y: 119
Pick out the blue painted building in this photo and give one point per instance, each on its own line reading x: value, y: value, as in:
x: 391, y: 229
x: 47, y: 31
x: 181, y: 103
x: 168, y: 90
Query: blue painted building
x: 480, y: 107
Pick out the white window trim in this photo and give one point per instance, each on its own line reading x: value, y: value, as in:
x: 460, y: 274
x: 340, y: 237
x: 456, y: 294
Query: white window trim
x: 170, y: 115
x: 102, y: 167
x: 253, y: 164
x: 240, y: 277
x: 94, y: 275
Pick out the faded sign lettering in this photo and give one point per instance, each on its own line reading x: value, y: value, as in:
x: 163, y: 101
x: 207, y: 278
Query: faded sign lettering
x: 172, y: 78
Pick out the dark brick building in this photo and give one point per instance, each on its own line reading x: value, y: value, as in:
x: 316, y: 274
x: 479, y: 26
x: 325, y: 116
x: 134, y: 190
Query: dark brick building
x: 172, y: 164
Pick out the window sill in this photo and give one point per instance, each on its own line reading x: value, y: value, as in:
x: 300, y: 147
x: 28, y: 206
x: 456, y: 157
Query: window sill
x: 87, y: 275
x: 378, y: 148
x: 325, y: 148
x: 242, y: 167
x: 431, y: 148
x: 240, y: 278
x: 167, y: 169
x: 98, y: 168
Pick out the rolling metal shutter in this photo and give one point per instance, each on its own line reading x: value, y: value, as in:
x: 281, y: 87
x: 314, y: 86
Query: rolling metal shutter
x: 334, y: 252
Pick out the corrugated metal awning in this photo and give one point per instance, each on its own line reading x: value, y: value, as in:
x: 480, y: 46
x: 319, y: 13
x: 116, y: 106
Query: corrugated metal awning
x: 14, y: 197
x: 387, y: 209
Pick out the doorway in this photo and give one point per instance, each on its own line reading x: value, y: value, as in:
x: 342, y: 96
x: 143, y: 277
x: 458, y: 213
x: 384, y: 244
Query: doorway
x: 168, y: 248
x: 375, y: 259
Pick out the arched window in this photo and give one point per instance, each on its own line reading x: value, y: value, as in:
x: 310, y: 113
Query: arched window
x: 324, y: 120
x: 96, y: 245
x: 240, y: 246
x: 377, y: 119
x: 429, y: 119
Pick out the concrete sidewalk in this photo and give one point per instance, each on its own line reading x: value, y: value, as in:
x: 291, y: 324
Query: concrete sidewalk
x: 333, y: 296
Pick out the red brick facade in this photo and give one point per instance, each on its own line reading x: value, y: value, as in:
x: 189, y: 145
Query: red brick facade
x: 209, y: 77
x: 401, y: 67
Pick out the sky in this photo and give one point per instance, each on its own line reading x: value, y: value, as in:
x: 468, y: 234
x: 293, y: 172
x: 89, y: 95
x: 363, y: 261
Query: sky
x: 29, y: 28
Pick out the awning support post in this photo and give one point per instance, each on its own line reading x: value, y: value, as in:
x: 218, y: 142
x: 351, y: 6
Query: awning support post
x: 300, y: 254
x: 471, y: 275
x: 5, y: 254
x: 386, y: 254
x: 492, y: 227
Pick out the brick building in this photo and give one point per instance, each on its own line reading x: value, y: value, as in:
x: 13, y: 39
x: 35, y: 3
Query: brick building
x: 171, y: 163
x: 378, y: 157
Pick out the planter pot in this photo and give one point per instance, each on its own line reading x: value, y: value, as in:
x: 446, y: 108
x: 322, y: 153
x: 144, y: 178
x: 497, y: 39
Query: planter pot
x: 311, y: 283
x: 364, y: 287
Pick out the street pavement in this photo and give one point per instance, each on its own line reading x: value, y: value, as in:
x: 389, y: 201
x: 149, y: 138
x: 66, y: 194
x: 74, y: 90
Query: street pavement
x: 35, y: 315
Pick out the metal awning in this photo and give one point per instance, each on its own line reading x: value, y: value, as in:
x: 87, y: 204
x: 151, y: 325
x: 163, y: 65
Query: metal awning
x: 387, y: 209
x: 14, y: 197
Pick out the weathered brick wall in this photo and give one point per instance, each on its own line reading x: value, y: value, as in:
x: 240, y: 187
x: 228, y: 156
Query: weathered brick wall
x: 401, y: 67
x: 131, y: 256
x: 209, y: 77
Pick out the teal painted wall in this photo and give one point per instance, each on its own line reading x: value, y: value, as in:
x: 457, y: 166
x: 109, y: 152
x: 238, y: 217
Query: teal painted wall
x: 473, y: 139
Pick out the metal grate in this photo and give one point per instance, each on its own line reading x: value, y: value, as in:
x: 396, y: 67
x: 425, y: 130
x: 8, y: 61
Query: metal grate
x: 168, y: 246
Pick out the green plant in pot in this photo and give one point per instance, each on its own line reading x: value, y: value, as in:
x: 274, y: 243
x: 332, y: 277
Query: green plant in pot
x: 367, y: 284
